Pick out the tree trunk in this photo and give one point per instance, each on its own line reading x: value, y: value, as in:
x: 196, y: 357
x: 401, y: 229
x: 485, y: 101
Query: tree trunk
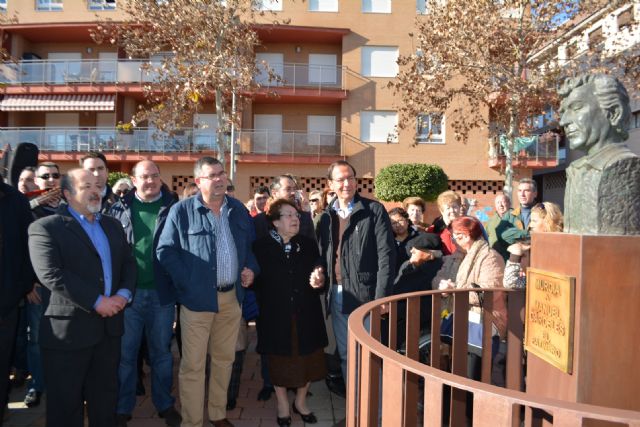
x: 220, y: 137
x: 508, y: 155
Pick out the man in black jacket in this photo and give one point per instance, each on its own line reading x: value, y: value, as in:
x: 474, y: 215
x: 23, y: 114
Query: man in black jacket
x: 16, y: 276
x: 358, y: 249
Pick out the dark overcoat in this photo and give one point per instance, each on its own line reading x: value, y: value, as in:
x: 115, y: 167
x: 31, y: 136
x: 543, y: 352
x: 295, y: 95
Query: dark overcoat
x: 284, y: 293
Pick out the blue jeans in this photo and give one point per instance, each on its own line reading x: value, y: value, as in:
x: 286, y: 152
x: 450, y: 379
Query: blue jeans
x: 146, y: 314
x: 340, y: 328
x: 34, y: 359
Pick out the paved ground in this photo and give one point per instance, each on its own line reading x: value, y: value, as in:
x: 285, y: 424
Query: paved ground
x: 249, y: 412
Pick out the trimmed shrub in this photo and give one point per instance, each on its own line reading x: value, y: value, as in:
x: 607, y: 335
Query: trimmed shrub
x: 397, y: 182
x: 114, y: 176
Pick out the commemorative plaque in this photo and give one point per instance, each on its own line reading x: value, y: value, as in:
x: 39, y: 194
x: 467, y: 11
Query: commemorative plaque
x: 550, y: 317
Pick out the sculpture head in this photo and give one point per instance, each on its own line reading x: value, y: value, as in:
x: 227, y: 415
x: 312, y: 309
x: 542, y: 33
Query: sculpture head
x: 594, y: 111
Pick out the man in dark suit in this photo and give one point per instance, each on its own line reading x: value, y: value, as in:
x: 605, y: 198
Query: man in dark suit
x: 83, y: 258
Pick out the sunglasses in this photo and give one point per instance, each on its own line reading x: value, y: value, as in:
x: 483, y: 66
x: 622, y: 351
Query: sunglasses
x: 46, y: 176
x: 314, y: 200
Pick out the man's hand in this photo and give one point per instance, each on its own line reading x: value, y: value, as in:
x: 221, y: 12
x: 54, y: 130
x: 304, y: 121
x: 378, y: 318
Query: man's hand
x: 246, y: 277
x: 316, y: 280
x: 33, y: 296
x: 110, y: 306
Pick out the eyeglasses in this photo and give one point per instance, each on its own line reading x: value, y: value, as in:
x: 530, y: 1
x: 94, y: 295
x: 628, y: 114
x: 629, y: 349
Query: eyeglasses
x: 313, y: 200
x: 231, y: 188
x: 121, y: 192
x: 295, y: 215
x: 345, y: 179
x: 399, y: 222
x: 331, y: 194
x: 46, y: 176
x: 214, y: 175
x: 146, y: 177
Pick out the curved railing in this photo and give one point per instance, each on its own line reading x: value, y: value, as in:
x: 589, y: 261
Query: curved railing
x: 386, y: 381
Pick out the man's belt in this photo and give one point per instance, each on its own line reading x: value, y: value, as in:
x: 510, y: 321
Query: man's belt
x: 226, y: 288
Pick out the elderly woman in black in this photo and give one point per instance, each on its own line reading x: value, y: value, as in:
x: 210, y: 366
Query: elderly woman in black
x: 291, y: 329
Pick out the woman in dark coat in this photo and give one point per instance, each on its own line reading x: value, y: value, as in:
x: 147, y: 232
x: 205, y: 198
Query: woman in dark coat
x: 291, y: 328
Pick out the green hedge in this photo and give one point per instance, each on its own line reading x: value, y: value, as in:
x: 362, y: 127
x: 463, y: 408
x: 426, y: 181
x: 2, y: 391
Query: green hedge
x: 397, y: 182
x: 114, y: 176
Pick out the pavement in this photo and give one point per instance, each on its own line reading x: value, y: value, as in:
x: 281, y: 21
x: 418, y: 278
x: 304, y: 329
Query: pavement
x: 249, y: 412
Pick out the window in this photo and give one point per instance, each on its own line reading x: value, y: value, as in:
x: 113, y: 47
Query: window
x: 379, y: 61
x: 595, y: 38
x: 274, y: 5
x: 378, y: 126
x: 321, y: 130
x: 376, y: 6
x: 322, y: 68
x: 430, y: 129
x: 625, y: 19
x: 3, y: 5
x: 102, y: 4
x: 323, y: 5
x: 49, y: 5
x: 422, y: 6
x: 635, y: 120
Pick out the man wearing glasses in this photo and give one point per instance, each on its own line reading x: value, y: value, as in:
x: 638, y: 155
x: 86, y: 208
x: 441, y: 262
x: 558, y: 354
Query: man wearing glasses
x: 357, y: 246
x: 48, y: 180
x: 206, y: 248
x: 142, y: 213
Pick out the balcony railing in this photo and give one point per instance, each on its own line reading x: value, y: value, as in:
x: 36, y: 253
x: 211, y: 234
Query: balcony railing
x: 412, y: 385
x: 538, y: 151
x: 256, y: 142
x: 56, y: 72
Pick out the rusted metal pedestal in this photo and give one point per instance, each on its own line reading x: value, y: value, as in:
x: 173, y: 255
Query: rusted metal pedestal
x: 606, y: 344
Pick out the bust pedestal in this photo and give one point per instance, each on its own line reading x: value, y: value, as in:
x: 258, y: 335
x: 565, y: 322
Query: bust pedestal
x: 606, y: 341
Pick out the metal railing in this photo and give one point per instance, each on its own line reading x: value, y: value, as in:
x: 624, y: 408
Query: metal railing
x: 260, y: 142
x: 409, y: 385
x: 55, y: 72
x: 541, y: 148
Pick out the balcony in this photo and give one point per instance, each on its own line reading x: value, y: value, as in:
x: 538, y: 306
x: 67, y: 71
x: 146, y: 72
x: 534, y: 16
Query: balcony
x: 251, y: 145
x: 418, y: 384
x: 61, y: 72
x: 536, y: 152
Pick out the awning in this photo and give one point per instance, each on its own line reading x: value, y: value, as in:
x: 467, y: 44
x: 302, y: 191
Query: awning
x: 58, y: 103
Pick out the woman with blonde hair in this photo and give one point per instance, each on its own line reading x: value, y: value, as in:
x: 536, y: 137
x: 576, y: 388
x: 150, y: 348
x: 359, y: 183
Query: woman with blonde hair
x: 449, y: 204
x: 545, y: 218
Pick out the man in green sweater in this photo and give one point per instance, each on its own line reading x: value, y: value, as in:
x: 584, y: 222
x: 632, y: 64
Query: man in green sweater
x: 142, y: 212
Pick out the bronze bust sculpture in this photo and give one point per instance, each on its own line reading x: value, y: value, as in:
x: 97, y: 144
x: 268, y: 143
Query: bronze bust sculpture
x: 603, y: 187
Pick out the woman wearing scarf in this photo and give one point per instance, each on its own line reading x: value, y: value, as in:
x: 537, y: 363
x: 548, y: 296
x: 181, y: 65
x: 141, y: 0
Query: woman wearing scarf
x: 291, y: 329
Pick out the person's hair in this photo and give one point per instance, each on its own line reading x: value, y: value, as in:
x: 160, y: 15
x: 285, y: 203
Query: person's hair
x: 319, y: 195
x: 67, y: 181
x: 189, y: 190
x: 276, y: 183
x: 551, y: 216
x: 446, y: 198
x: 273, y: 211
x: 505, y: 195
x: 261, y: 190
x: 126, y: 181
x: 93, y: 155
x: 29, y: 169
x: 337, y: 163
x: 468, y: 225
x: 534, y: 185
x: 414, y: 201
x: 133, y: 169
x: 325, y: 192
x: 609, y: 92
x: 400, y: 211
x: 48, y: 165
x: 202, y: 161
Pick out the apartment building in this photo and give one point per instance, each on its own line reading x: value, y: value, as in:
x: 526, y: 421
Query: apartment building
x: 614, y: 31
x: 66, y: 94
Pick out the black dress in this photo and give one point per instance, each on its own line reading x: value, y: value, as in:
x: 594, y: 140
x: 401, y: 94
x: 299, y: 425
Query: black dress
x: 291, y: 329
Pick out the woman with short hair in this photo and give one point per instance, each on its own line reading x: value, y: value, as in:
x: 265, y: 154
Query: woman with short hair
x: 449, y: 204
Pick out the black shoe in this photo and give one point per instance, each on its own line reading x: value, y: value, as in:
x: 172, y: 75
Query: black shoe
x: 32, y: 398
x: 284, y: 421
x: 171, y: 416
x: 265, y: 393
x: 231, y: 404
x: 336, y: 386
x: 19, y: 378
x: 309, y: 418
x: 121, y: 420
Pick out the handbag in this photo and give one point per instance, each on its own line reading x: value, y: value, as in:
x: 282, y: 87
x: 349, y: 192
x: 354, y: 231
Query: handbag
x: 474, y: 337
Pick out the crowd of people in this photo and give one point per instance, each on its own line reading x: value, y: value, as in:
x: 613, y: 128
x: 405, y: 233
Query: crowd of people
x: 96, y: 279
